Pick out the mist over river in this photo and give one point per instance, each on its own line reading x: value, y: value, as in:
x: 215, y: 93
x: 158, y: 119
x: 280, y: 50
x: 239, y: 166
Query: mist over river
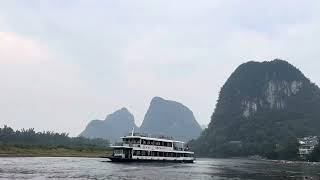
x: 96, y: 168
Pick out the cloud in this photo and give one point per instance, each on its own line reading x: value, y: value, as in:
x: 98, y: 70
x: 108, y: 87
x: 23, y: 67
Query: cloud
x: 37, y: 89
x: 190, y: 64
x: 17, y: 49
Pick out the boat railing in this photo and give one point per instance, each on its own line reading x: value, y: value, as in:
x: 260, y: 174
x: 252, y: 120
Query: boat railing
x: 151, y: 136
x: 118, y: 144
x: 126, y: 144
x: 178, y: 149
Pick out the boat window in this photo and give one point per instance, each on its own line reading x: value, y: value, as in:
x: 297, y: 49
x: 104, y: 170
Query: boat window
x: 161, y: 154
x: 118, y: 151
x: 138, y: 153
x: 135, y: 141
x: 178, y: 146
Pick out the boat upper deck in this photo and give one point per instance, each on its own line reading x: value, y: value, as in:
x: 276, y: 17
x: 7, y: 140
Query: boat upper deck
x: 158, y: 143
x: 151, y: 137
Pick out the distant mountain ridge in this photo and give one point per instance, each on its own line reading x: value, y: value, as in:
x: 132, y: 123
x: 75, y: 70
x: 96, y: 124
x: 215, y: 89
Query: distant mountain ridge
x: 264, y: 107
x: 170, y: 118
x: 112, y: 128
x: 163, y: 117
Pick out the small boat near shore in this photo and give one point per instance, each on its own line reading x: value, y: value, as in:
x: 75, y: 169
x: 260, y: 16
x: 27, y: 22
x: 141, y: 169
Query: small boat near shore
x: 138, y: 147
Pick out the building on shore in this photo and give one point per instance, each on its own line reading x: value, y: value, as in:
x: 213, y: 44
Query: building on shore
x: 307, y: 145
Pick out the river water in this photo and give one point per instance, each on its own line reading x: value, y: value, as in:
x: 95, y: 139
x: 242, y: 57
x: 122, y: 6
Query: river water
x: 203, y: 169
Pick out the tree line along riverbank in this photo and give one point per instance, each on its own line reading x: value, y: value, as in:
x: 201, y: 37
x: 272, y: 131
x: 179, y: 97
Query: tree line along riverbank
x: 27, y: 142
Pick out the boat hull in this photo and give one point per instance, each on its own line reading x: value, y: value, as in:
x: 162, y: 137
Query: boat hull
x: 117, y: 159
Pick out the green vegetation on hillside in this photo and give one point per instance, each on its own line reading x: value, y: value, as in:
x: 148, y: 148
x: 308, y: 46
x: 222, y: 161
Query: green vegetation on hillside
x: 261, y: 110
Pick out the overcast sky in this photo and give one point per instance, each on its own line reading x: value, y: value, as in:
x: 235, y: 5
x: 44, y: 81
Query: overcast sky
x: 64, y: 63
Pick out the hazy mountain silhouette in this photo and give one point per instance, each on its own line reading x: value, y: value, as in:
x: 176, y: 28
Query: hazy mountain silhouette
x: 113, y: 127
x: 170, y: 118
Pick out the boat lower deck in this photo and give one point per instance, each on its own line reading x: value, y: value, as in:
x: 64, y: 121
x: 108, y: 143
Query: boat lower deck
x: 119, y: 159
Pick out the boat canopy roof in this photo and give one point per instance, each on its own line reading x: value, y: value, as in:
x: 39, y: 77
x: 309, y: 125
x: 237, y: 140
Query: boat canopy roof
x: 161, y: 138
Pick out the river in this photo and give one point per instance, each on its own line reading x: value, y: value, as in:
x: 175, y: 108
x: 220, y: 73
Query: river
x: 202, y: 169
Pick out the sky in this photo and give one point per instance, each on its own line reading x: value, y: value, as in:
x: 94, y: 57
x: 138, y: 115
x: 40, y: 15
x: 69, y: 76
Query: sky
x: 64, y: 63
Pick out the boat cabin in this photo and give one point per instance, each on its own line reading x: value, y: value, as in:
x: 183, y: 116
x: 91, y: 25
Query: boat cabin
x: 139, y: 147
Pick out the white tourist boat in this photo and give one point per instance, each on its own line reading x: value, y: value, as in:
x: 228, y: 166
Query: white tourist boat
x: 142, y: 147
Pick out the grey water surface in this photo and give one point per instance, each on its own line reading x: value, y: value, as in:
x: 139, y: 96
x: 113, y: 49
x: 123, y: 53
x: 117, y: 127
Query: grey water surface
x: 96, y: 168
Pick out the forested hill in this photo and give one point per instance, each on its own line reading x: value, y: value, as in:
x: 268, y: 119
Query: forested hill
x: 262, y: 109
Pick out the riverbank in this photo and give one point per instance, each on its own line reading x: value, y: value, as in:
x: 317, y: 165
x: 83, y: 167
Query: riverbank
x: 51, y: 151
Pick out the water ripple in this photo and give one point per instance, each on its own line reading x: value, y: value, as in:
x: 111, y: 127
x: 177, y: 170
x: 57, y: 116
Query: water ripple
x: 204, y: 169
